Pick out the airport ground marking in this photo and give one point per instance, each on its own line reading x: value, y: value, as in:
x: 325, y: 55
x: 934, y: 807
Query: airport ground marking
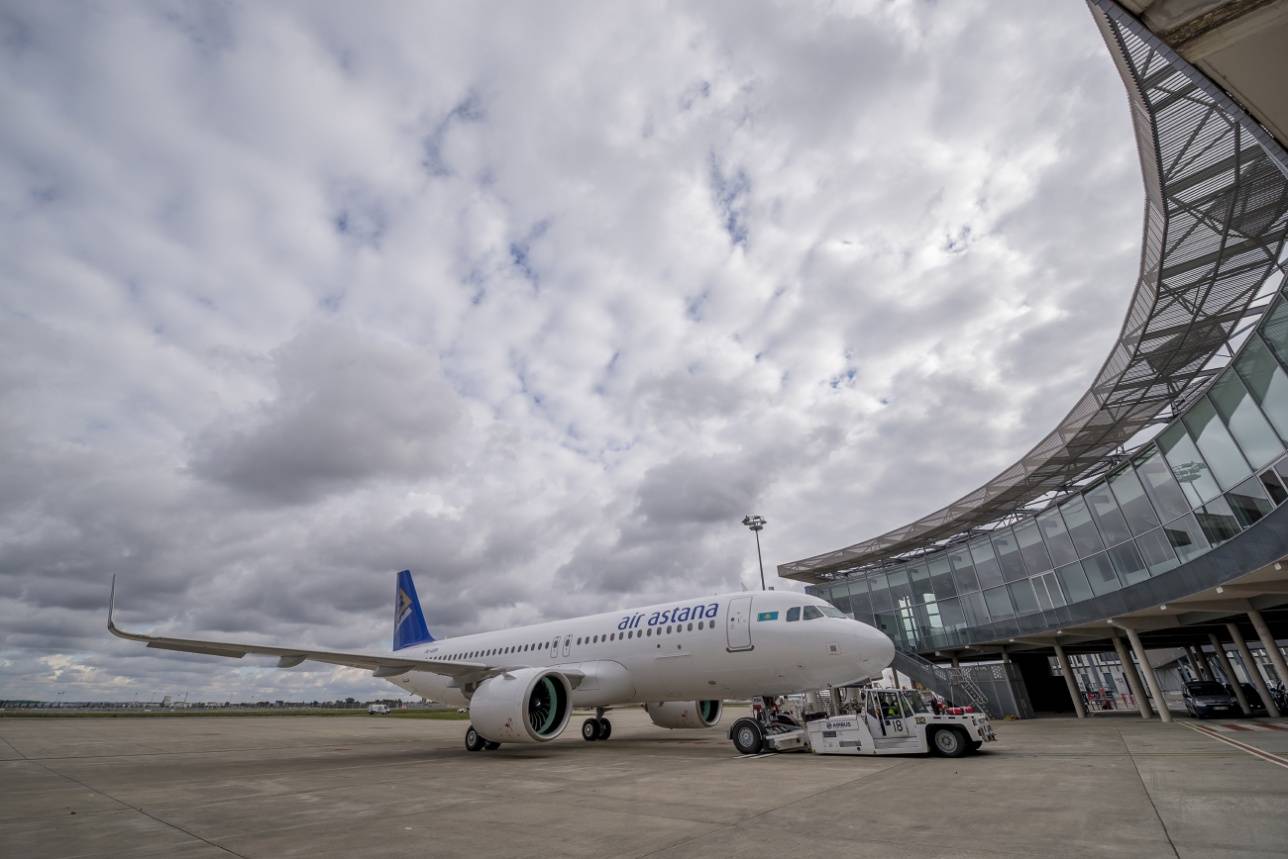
x: 1268, y: 757
x: 1249, y: 726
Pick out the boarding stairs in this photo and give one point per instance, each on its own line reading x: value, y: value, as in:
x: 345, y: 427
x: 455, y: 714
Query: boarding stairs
x: 954, y: 684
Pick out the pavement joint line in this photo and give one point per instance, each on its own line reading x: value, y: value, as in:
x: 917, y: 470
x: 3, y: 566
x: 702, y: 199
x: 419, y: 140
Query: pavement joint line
x: 146, y: 814
x: 184, y: 752
x: 465, y: 796
x: 903, y: 845
x: 16, y: 750
x: 422, y: 757
x: 1268, y: 757
x: 1145, y: 788
x: 751, y: 816
x: 308, y: 778
x: 1196, y: 754
x: 898, y: 768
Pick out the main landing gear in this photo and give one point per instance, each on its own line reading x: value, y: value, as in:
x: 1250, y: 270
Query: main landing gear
x: 474, y: 742
x: 596, y: 728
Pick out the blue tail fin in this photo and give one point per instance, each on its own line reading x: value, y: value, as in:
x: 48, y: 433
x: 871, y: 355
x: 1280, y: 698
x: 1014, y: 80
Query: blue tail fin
x: 409, y: 620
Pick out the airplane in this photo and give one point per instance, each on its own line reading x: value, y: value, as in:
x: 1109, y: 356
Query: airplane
x: 679, y: 659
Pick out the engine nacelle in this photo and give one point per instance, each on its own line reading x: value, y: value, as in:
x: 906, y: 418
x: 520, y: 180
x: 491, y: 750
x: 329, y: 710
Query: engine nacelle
x: 684, y: 714
x: 528, y: 705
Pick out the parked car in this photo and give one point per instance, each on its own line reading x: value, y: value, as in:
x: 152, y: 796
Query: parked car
x: 1250, y: 694
x: 1205, y: 698
x: 377, y: 709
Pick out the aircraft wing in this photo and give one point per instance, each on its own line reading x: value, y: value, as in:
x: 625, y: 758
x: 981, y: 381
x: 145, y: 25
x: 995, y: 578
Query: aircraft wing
x: 380, y: 665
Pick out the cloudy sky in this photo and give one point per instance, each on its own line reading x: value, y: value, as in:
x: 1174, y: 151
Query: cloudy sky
x: 537, y: 300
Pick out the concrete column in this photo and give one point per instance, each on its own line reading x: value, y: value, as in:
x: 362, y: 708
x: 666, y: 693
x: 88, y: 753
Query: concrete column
x: 1268, y: 642
x: 1074, y: 694
x: 1160, y: 703
x: 1204, y: 662
x: 1195, y: 665
x: 1230, y: 677
x: 1192, y: 662
x: 1254, y: 673
x: 1133, y: 679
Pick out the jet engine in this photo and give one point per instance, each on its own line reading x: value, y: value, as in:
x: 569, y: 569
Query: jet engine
x: 684, y: 714
x: 527, y: 705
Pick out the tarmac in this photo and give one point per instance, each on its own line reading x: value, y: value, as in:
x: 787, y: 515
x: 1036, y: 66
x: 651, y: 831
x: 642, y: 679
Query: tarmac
x: 376, y: 786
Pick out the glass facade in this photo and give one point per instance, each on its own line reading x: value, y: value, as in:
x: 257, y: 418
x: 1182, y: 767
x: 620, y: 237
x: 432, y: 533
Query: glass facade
x: 1212, y: 473
x: 1130, y: 495
x: 1266, y: 381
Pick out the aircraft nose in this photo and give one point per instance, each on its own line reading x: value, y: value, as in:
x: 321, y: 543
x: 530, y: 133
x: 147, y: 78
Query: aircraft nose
x: 876, y: 647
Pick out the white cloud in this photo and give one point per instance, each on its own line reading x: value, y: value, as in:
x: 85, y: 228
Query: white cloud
x: 536, y: 300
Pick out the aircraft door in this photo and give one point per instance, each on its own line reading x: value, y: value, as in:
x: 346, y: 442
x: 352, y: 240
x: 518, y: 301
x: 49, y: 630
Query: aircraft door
x: 554, y: 647
x: 567, y: 645
x: 739, y: 625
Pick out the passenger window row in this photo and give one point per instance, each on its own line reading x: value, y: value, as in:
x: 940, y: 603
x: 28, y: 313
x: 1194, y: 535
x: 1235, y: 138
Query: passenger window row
x: 647, y: 632
x: 498, y: 651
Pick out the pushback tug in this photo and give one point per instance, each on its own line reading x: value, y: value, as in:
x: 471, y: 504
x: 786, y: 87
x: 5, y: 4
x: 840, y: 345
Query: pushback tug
x: 877, y: 722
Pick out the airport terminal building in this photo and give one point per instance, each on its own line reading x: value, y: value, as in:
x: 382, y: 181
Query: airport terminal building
x: 1153, y: 520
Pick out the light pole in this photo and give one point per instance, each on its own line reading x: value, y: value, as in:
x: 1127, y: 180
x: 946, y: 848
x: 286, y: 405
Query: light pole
x: 757, y: 524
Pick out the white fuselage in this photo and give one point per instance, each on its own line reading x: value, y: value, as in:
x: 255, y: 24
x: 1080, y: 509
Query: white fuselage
x: 726, y: 646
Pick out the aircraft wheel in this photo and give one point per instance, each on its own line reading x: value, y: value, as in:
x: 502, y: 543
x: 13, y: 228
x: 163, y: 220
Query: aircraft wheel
x: 748, y: 738
x: 590, y: 730
x: 474, y: 742
x: 491, y: 745
x: 948, y: 742
x: 605, y: 729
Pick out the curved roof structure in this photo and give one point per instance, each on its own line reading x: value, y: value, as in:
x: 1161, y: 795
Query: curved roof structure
x: 1216, y: 218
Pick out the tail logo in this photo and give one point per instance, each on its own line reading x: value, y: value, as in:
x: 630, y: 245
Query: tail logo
x: 409, y: 621
x: 405, y: 604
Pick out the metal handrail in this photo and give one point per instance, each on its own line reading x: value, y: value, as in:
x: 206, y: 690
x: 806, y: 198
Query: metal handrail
x: 942, y: 679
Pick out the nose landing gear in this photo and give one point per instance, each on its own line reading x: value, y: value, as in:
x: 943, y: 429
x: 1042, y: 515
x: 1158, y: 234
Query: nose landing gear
x: 748, y: 736
x: 751, y: 734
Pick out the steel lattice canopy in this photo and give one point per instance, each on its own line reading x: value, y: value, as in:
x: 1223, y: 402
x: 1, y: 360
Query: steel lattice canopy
x: 1216, y: 218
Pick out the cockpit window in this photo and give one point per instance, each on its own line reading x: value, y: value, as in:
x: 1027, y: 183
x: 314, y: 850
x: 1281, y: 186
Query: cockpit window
x: 812, y: 612
x: 794, y: 613
x: 832, y: 611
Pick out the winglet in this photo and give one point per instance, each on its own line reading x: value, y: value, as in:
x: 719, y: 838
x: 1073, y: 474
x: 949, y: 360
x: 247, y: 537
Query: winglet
x: 111, y: 624
x: 111, y: 605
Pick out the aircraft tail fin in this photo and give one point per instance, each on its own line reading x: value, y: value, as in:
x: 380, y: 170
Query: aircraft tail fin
x: 409, y: 620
